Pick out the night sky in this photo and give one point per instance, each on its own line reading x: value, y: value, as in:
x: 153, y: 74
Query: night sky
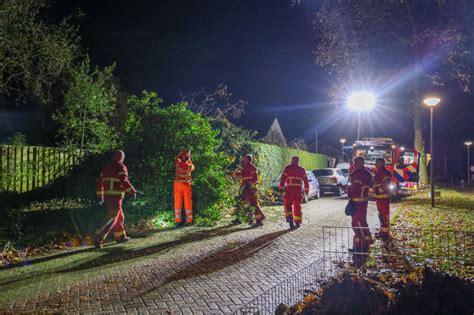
x: 261, y: 49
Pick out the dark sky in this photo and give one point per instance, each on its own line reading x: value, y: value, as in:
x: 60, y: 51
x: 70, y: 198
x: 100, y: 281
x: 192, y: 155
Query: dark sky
x: 261, y: 49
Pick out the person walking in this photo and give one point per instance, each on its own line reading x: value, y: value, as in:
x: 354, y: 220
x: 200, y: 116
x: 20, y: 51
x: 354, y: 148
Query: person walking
x: 112, y: 185
x: 292, y: 179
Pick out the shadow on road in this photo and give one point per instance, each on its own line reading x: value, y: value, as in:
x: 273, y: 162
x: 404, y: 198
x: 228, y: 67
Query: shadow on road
x: 118, y: 254
x: 226, y: 257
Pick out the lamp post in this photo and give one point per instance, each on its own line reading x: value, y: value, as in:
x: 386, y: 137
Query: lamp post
x: 342, y: 148
x: 361, y: 102
x: 468, y: 144
x: 431, y: 102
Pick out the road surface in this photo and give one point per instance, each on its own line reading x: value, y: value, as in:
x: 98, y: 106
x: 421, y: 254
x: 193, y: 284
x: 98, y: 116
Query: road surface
x: 196, y: 272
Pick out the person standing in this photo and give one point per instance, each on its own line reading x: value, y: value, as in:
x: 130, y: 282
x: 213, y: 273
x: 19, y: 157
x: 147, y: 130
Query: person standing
x: 248, y: 190
x: 358, y: 192
x: 293, y: 177
x: 183, y: 187
x: 381, y: 191
x: 112, y: 185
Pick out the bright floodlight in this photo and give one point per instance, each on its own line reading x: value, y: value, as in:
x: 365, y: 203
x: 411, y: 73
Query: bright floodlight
x: 431, y: 101
x: 343, y: 141
x: 361, y: 101
x: 468, y: 143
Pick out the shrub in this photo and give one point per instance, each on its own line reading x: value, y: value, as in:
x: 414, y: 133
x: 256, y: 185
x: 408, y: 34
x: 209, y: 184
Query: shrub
x: 271, y: 159
x: 153, y: 143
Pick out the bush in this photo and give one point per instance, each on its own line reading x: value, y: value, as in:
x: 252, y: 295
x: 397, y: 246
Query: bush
x: 153, y: 144
x: 271, y: 159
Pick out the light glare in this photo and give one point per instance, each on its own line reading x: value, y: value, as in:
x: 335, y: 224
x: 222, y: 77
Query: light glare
x: 431, y: 101
x: 361, y: 101
x: 468, y: 143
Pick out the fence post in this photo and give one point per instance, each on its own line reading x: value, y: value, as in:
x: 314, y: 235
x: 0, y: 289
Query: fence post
x: 14, y: 167
x: 43, y: 171
x: 33, y: 185
x: 28, y: 164
x: 21, y: 169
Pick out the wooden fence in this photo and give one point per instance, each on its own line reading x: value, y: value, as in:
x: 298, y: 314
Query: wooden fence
x: 24, y: 168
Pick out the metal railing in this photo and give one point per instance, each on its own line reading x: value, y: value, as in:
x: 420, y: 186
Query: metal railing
x: 291, y: 290
x: 445, y: 249
x: 450, y: 249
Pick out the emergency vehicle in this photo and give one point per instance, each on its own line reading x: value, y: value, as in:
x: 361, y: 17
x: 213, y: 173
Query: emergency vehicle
x: 402, y: 163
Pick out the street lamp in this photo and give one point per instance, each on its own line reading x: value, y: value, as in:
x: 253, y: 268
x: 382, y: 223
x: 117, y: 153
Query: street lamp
x: 342, y: 148
x: 361, y: 102
x: 468, y: 144
x: 431, y: 102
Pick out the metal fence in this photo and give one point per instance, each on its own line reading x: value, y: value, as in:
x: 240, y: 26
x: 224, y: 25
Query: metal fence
x: 24, y: 168
x: 292, y: 289
x: 448, y: 249
x: 445, y: 249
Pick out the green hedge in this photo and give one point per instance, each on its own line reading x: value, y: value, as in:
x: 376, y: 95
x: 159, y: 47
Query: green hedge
x: 271, y: 159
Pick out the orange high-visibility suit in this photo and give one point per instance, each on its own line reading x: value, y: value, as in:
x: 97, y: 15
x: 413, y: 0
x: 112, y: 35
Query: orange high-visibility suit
x: 292, y: 178
x: 112, y: 185
x: 183, y: 188
x: 249, y: 180
x: 381, y: 190
x: 358, y: 191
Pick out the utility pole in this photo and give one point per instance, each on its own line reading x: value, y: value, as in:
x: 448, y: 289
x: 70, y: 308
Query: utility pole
x: 316, y: 143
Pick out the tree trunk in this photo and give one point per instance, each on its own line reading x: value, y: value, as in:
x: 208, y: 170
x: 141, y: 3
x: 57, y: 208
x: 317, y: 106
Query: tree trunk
x: 419, y: 143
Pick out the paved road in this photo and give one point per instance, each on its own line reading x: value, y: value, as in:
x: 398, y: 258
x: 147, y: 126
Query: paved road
x: 214, y: 271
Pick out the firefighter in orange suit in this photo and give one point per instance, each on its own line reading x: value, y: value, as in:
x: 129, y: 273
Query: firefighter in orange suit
x: 183, y: 187
x: 293, y: 177
x: 358, y: 191
x: 112, y: 185
x: 248, y: 187
x: 381, y: 190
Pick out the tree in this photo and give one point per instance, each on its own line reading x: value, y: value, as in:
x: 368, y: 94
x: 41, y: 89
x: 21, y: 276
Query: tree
x: 215, y: 103
x: 34, y: 54
x: 421, y: 41
x: 299, y: 144
x: 89, y: 107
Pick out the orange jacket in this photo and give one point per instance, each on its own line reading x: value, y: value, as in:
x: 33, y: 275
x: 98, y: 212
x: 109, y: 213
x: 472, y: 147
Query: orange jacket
x: 113, y: 181
x: 294, y: 176
x: 358, y: 191
x: 248, y: 174
x: 183, y: 171
x: 382, y: 184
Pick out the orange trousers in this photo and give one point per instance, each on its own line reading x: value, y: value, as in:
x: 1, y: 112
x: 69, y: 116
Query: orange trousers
x: 383, y: 206
x: 183, y: 192
x: 292, y: 202
x: 114, y: 221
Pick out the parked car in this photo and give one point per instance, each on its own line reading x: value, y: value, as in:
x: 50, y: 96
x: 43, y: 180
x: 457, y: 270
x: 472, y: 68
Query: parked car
x: 344, y: 167
x: 314, y: 189
x: 331, y: 180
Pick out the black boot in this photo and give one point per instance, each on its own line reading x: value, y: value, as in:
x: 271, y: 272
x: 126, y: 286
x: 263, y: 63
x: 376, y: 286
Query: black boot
x: 124, y: 239
x: 236, y: 222
x: 292, y: 225
x: 297, y: 225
